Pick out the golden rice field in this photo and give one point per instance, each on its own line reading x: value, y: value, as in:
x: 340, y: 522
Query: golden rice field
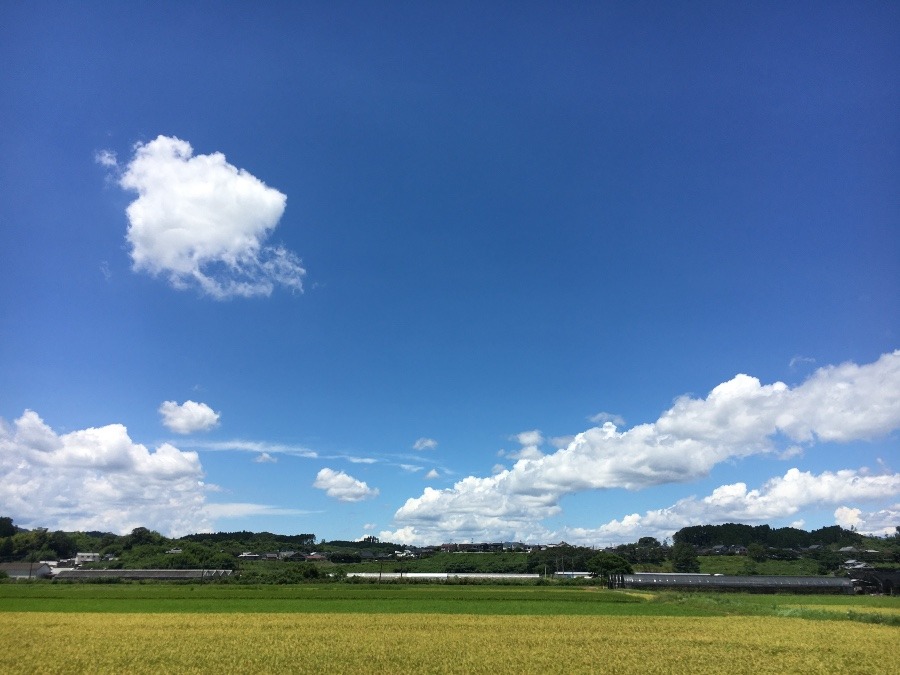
x: 73, y: 642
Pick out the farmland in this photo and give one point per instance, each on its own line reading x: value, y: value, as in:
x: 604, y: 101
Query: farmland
x: 354, y: 628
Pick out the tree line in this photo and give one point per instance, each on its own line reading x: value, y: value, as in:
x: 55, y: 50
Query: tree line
x: 736, y: 534
x: 144, y: 548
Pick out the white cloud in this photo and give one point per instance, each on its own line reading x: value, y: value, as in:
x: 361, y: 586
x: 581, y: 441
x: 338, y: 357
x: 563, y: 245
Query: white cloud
x: 560, y: 442
x: 604, y: 417
x: 265, y: 458
x: 106, y: 158
x: 343, y: 487
x: 242, y: 445
x: 411, y: 468
x: 533, y: 437
x: 881, y: 523
x: 97, y: 479
x: 737, y: 419
x: 203, y: 223
x: 801, y: 361
x: 246, y: 510
x: 777, y: 499
x: 188, y: 417
x: 432, y: 474
x: 425, y: 444
x: 847, y: 517
x: 530, y: 442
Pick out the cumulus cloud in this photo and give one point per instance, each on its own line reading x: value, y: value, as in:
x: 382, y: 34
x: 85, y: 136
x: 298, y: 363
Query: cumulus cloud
x: 343, y: 487
x: 432, y: 474
x: 778, y: 498
x: 265, y: 458
x: 425, y: 444
x: 883, y: 522
x: 97, y: 479
x: 202, y: 223
x: 530, y: 442
x: 847, y: 518
x: 739, y: 418
x: 188, y: 417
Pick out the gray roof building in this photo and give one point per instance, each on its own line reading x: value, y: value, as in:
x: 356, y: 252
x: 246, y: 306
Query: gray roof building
x: 714, y: 582
x: 136, y: 575
x: 26, y: 570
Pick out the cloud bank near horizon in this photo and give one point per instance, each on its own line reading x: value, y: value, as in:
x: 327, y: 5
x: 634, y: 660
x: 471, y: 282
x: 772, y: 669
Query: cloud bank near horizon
x: 739, y: 418
x: 203, y: 223
x: 98, y: 479
x: 780, y: 497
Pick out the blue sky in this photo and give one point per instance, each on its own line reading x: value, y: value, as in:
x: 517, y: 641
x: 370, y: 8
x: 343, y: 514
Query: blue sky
x: 480, y: 271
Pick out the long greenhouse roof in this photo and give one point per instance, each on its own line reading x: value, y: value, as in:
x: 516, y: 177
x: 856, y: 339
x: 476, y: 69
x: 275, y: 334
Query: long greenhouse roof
x: 732, y: 581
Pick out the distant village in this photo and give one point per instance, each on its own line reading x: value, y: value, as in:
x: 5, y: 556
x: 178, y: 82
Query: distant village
x: 758, y: 557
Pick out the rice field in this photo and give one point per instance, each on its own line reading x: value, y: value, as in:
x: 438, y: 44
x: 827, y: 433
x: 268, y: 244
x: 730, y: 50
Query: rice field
x: 437, y: 643
x: 341, y: 629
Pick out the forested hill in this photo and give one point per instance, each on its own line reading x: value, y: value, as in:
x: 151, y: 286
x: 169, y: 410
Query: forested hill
x: 735, y: 534
x: 254, y: 541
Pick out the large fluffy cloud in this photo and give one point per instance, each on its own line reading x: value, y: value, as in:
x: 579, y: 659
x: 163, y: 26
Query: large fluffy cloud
x: 738, y: 418
x: 203, y: 223
x: 188, y: 417
x: 97, y: 479
x: 343, y: 487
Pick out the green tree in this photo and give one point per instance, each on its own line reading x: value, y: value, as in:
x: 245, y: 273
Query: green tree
x: 756, y: 552
x: 603, y: 564
x: 141, y: 536
x: 828, y: 561
x: 7, y: 529
x: 62, y: 545
x: 684, y: 558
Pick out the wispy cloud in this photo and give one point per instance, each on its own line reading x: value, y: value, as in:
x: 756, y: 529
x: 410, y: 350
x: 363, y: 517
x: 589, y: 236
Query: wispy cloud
x: 259, y: 447
x: 801, y: 361
x: 106, y: 158
x: 245, y: 510
x: 425, y: 444
x: 604, y: 417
